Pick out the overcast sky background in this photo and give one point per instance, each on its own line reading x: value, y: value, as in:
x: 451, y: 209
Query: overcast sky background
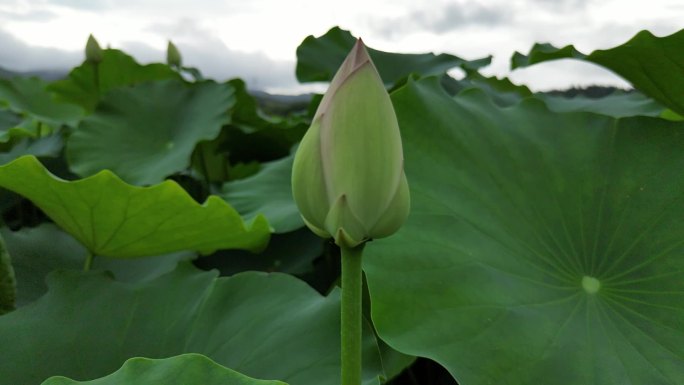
x: 257, y: 39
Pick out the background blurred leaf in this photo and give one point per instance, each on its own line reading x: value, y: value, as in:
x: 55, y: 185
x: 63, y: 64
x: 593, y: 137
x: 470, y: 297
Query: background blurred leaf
x: 48, y: 146
x: 114, y: 219
x: 292, y: 253
x: 185, y: 369
x: 511, y: 209
x: 147, y: 132
x: 318, y: 58
x: 268, y: 192
x: 12, y: 125
x: 8, y: 283
x: 504, y: 93
x: 618, y: 104
x: 29, y: 96
x: 654, y: 65
x: 86, y: 84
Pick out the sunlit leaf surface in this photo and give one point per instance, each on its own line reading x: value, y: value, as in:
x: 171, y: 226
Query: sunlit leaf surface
x: 114, y: 219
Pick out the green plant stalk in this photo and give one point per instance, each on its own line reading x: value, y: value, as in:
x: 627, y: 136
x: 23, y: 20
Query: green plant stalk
x: 205, y: 171
x: 352, y: 278
x: 88, y: 261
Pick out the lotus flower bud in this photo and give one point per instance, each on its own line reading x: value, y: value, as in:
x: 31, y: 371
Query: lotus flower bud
x: 173, y: 56
x: 348, y: 175
x: 93, y: 51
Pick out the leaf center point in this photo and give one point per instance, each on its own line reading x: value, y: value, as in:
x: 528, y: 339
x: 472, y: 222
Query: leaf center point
x: 590, y: 284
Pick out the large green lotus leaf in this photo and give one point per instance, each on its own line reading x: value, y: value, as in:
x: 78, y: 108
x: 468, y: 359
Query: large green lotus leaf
x: 38, y: 251
x: 114, y: 219
x: 8, y: 283
x: 86, y: 84
x: 185, y: 369
x: 263, y: 325
x: 269, y: 192
x: 318, y: 59
x: 147, y: 132
x: 541, y: 247
x: 654, y: 65
x: 29, y: 96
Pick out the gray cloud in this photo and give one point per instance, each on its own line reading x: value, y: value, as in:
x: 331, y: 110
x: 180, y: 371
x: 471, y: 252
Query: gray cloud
x: 220, y: 63
x: 198, y: 47
x: 201, y: 49
x: 19, y: 56
x: 450, y: 17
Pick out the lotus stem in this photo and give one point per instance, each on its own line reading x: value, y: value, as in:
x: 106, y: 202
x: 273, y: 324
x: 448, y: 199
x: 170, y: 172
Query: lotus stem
x: 352, y: 278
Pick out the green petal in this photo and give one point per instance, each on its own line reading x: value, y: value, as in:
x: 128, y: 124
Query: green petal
x: 308, y: 181
x: 344, y: 224
x: 362, y: 147
x: 396, y: 213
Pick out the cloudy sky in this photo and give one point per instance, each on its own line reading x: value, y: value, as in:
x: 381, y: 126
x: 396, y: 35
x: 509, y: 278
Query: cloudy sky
x: 256, y: 39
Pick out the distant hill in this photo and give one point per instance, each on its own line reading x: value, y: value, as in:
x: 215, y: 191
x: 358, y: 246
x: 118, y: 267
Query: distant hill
x: 281, y: 104
x: 593, y: 92
x: 48, y: 75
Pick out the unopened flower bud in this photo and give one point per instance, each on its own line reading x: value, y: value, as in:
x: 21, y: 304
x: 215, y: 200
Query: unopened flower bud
x: 173, y: 56
x: 348, y: 176
x: 93, y: 51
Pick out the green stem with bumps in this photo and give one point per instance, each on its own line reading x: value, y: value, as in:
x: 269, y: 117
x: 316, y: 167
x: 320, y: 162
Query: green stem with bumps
x: 352, y: 278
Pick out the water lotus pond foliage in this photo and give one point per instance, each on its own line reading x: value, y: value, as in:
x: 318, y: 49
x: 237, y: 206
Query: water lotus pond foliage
x: 149, y: 234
